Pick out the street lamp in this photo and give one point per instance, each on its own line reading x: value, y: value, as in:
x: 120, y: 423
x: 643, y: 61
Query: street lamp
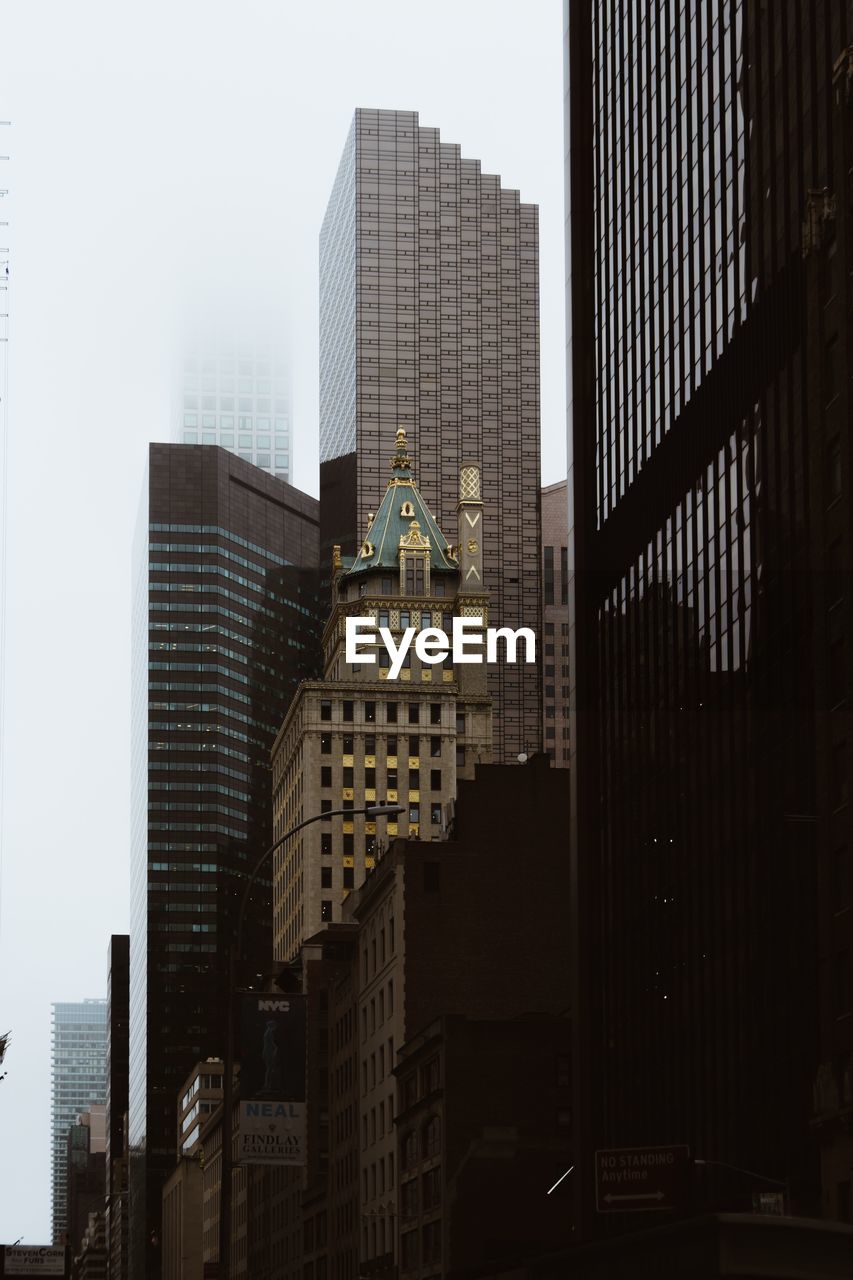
x: 235, y: 947
x: 749, y: 1173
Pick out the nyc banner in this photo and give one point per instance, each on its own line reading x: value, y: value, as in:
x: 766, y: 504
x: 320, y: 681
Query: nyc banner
x: 272, y: 1080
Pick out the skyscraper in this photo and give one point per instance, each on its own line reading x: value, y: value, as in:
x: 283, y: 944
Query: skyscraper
x: 429, y: 317
x: 235, y: 391
x: 225, y: 626
x: 709, y: 468
x: 118, y: 1019
x: 78, y: 1080
x: 555, y: 636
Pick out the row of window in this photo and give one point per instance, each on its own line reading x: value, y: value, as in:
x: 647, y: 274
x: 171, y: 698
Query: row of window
x: 391, y: 743
x: 347, y: 777
x: 392, y: 712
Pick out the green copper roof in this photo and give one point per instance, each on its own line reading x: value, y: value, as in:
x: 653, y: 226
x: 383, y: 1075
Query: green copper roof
x: 403, y: 519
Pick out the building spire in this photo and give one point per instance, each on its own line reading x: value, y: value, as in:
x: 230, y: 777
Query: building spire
x: 401, y: 463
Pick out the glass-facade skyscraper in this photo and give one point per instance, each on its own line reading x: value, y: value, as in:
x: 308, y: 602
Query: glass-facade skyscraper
x: 225, y: 626
x: 429, y: 319
x: 235, y: 391
x: 78, y: 1068
x: 708, y: 424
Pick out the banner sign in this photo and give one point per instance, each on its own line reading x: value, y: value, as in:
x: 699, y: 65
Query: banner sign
x: 33, y: 1260
x: 272, y: 1080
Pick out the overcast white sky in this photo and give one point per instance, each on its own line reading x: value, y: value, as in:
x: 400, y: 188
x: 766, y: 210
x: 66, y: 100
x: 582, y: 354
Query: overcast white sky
x: 152, y: 145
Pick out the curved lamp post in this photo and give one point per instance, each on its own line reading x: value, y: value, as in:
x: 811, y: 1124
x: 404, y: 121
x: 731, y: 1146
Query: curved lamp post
x: 235, y: 947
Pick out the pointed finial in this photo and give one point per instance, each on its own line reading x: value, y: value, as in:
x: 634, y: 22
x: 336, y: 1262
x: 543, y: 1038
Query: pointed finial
x: 370, y: 519
x: 337, y: 562
x: 401, y: 460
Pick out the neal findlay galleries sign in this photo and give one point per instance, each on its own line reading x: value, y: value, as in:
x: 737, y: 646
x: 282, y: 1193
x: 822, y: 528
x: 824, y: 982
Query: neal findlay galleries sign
x: 272, y: 1080
x: 648, y: 1178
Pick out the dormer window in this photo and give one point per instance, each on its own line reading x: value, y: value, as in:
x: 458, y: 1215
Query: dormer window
x: 415, y: 576
x: 407, y: 510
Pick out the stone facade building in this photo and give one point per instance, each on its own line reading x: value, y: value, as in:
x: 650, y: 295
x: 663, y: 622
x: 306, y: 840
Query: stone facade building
x: 357, y: 737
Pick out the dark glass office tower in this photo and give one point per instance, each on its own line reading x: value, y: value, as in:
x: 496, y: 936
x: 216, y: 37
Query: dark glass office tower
x: 708, y: 358
x: 225, y: 626
x: 429, y: 318
x: 118, y: 1029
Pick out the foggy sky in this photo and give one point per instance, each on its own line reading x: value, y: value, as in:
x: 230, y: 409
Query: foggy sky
x: 159, y: 148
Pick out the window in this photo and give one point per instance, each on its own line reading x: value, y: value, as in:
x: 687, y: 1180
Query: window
x: 833, y: 469
x: 564, y: 575
x: 435, y: 717
x: 325, y: 910
x: 325, y: 806
x: 431, y: 877
x: 431, y: 1188
x: 349, y: 744
x: 432, y: 1136
x: 410, y: 1148
x: 391, y: 746
x: 325, y: 877
x: 460, y: 757
x: 370, y: 712
x: 326, y: 775
x: 548, y: 553
x: 325, y: 744
x: 386, y: 586
x: 325, y: 709
x: 414, y: 813
x: 841, y: 965
x: 392, y: 779
x: 838, y: 776
x: 409, y: 1250
x: 841, y: 879
x: 414, y: 712
x: 409, y: 1196
x: 431, y: 1075
x: 836, y: 672
x: 369, y: 744
x: 435, y: 748
x: 348, y: 844
x: 438, y: 587
x: 391, y: 712
x: 435, y: 814
x: 349, y: 878
x: 326, y: 842
x: 348, y: 776
x: 432, y: 1242
x: 370, y: 778
x: 348, y: 710
x: 414, y: 744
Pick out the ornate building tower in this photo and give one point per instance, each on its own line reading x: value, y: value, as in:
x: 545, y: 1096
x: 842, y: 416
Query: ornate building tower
x: 358, y: 736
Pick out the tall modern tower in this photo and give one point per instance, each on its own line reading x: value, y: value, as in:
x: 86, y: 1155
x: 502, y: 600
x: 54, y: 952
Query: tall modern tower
x: 708, y: 182
x: 429, y: 318
x: 235, y: 391
x: 78, y: 1080
x: 225, y: 626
